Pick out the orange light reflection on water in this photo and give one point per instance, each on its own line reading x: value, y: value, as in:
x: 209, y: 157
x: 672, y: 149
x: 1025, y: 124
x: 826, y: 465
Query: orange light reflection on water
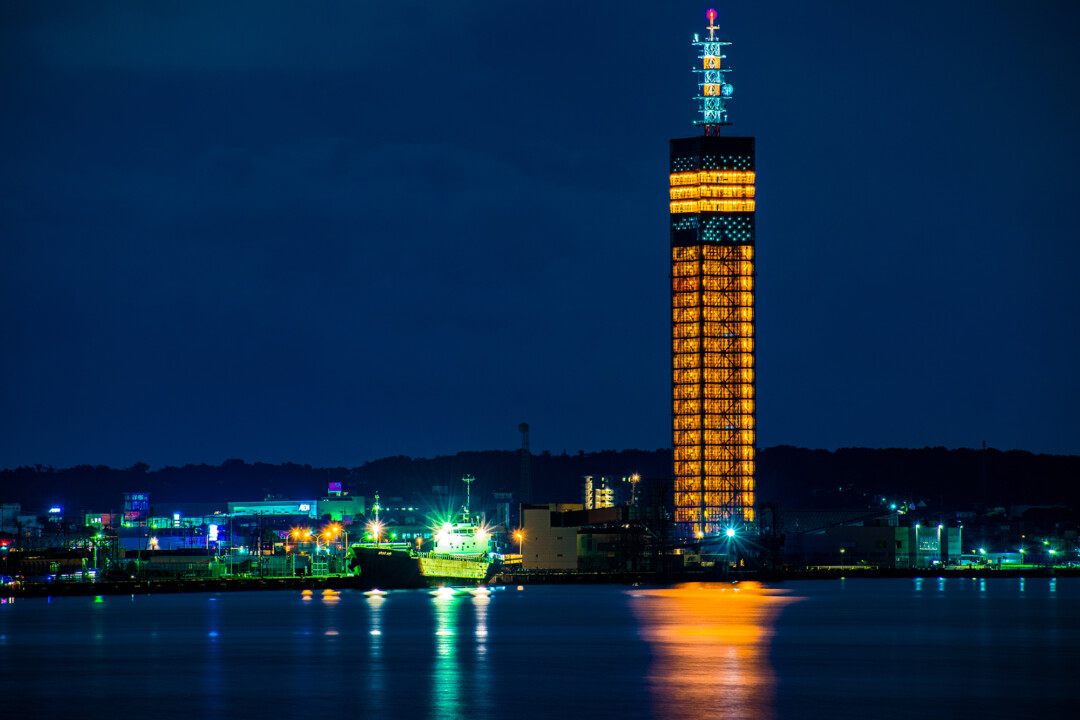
x: 710, y: 645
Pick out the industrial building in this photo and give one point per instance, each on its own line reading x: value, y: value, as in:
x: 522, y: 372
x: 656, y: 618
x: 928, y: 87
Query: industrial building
x: 870, y: 543
x: 545, y: 542
x: 712, y: 203
x: 276, y: 507
x: 569, y: 537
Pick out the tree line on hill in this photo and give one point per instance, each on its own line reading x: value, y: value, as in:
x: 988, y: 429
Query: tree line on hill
x: 788, y: 476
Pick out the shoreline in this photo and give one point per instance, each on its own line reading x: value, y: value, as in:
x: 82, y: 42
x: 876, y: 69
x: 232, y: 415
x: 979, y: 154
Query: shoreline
x: 349, y: 582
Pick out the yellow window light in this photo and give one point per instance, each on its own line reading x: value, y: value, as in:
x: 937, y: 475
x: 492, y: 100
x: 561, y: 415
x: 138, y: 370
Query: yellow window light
x: 683, y: 193
x: 685, y: 252
x: 685, y: 299
x: 689, y: 360
x: 686, y: 269
x: 685, y: 330
x: 687, y: 391
x: 685, y: 178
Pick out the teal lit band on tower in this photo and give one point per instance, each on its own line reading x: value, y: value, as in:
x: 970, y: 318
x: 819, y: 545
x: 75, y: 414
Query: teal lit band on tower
x: 712, y: 204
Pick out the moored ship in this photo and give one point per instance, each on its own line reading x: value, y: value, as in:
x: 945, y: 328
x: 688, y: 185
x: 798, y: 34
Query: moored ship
x: 460, y: 557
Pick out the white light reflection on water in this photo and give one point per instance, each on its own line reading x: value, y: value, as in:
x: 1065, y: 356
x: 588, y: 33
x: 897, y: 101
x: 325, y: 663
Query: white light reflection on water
x: 376, y: 682
x: 710, y: 644
x: 481, y: 673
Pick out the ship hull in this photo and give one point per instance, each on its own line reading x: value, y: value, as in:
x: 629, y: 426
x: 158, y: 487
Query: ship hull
x: 388, y: 569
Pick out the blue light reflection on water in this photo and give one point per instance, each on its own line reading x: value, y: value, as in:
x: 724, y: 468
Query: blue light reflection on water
x: 985, y: 648
x: 881, y: 648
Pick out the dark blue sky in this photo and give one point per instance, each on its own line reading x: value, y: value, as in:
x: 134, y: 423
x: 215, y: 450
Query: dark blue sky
x: 330, y: 232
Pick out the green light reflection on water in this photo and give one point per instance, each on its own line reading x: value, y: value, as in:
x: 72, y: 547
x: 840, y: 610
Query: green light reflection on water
x: 446, y: 689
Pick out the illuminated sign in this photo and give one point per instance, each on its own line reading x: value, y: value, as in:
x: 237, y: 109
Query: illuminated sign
x: 55, y: 510
x: 305, y: 507
x: 212, y: 533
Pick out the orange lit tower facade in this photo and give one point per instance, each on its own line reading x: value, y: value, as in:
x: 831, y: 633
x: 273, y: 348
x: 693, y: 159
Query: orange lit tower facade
x: 712, y: 313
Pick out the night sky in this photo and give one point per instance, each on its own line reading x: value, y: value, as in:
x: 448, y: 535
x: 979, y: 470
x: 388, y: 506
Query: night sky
x: 331, y: 232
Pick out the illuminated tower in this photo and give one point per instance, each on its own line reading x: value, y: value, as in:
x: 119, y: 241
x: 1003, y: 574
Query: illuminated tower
x: 712, y: 313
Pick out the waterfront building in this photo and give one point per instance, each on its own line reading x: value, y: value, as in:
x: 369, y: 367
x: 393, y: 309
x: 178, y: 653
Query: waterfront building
x: 613, y: 547
x: 597, y: 493
x: 545, y: 542
x: 876, y: 544
x: 712, y: 204
x: 342, y: 508
x: 102, y: 520
x: 276, y: 506
x: 9, y: 517
x: 570, y: 537
x: 136, y: 508
x: 502, y: 519
x: 603, y: 491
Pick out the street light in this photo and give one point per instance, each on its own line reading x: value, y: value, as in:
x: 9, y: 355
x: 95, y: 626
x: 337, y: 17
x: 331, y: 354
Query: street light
x: 842, y: 550
x: 296, y: 533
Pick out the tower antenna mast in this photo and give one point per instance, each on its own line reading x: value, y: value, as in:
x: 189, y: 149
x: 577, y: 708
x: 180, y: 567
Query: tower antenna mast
x: 713, y: 88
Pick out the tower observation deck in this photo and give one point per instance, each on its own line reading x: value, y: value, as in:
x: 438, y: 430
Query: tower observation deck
x: 712, y: 203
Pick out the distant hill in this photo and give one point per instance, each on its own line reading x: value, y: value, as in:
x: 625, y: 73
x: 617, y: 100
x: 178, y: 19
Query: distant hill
x: 789, y: 476
x: 942, y: 478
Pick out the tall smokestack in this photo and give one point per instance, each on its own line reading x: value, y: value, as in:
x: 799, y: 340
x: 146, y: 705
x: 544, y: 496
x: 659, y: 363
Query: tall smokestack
x: 526, y: 464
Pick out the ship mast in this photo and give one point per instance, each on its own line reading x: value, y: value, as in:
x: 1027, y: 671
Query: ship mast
x: 468, y: 480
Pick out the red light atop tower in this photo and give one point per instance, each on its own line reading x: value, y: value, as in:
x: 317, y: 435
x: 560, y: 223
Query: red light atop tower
x: 711, y: 27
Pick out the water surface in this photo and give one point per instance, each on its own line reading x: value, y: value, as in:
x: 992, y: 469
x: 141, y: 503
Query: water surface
x: 815, y: 649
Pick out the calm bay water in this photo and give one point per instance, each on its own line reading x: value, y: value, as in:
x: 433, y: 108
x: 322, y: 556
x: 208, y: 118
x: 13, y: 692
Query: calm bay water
x: 1005, y: 648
